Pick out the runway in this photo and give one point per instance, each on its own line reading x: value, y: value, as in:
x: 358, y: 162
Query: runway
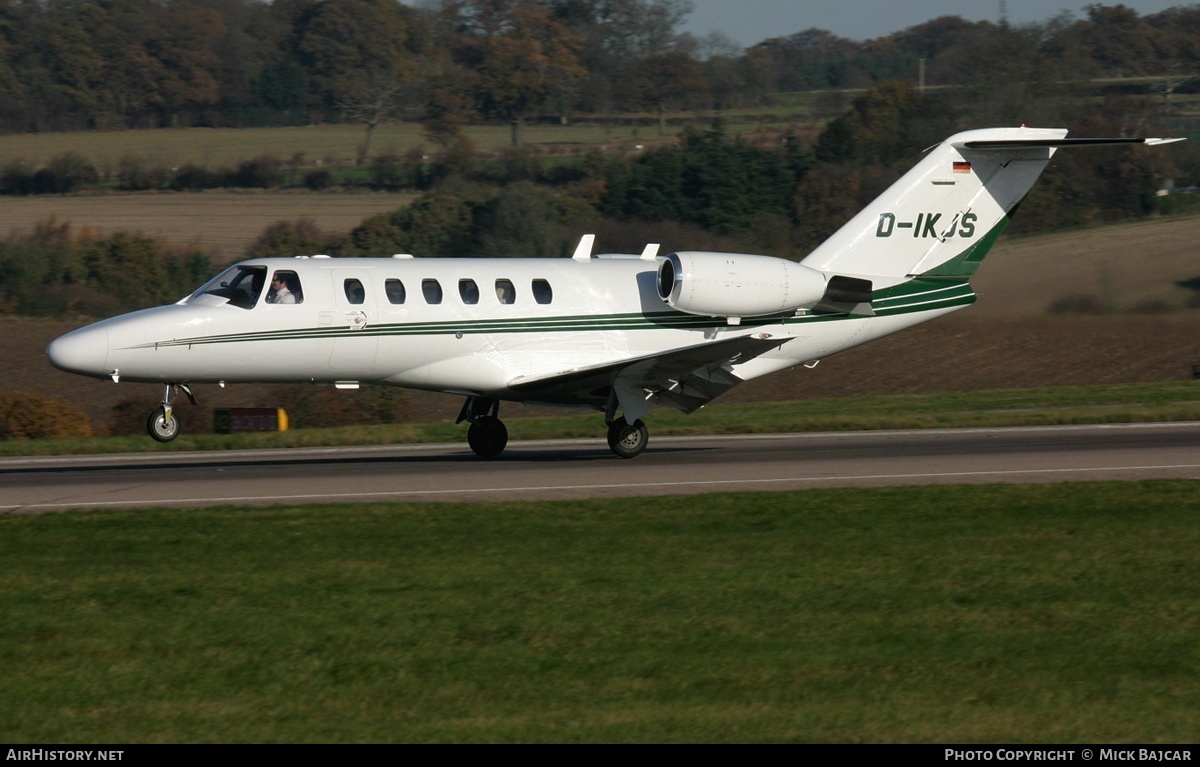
x: 569, y: 469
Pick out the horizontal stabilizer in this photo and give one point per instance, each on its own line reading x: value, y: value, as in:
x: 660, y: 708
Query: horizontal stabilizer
x: 1030, y: 142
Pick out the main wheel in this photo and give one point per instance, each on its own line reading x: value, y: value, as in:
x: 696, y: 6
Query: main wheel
x: 627, y: 441
x: 163, y: 427
x: 487, y: 436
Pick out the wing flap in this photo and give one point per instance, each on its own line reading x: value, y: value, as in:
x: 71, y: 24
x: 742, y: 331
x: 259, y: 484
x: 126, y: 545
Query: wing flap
x: 685, y: 378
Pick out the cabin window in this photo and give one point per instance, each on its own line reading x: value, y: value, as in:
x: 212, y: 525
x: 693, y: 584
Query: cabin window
x: 542, y: 292
x: 395, y: 291
x: 285, y: 288
x: 505, y: 292
x: 432, y: 290
x: 355, y: 293
x: 468, y: 291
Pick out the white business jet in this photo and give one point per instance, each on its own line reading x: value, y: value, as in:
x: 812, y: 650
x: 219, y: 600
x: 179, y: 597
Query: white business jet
x: 617, y: 333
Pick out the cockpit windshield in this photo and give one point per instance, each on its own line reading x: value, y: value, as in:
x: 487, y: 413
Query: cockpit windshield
x: 239, y: 285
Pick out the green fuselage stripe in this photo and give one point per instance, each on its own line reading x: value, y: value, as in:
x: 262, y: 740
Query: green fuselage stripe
x: 918, y: 295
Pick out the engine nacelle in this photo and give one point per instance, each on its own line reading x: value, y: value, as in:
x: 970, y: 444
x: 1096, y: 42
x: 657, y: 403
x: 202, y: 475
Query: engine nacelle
x: 736, y: 285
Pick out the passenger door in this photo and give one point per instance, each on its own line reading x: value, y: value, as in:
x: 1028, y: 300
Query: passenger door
x: 355, y: 346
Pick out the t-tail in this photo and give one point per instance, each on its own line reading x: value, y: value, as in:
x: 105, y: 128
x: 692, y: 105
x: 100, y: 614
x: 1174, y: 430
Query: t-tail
x: 934, y: 226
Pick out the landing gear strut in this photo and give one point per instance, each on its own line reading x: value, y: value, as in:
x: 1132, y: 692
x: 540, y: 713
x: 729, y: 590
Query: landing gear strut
x: 163, y: 424
x: 487, y: 434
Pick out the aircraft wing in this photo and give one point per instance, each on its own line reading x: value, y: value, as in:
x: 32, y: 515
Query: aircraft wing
x: 685, y: 378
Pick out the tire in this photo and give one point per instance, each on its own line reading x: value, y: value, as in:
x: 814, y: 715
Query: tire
x: 628, y: 441
x: 162, y: 428
x: 487, y: 436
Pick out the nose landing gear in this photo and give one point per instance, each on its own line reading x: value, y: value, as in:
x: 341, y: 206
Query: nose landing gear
x: 163, y: 424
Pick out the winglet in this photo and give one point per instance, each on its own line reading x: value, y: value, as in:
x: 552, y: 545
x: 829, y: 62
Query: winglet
x: 651, y: 252
x: 583, y: 251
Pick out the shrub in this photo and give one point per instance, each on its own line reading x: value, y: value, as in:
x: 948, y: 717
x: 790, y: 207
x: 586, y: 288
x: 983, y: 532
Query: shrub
x: 36, y: 416
x: 16, y: 178
x: 318, y: 179
x: 65, y: 173
x: 387, y: 172
x: 192, y: 177
x: 135, y: 175
x: 263, y: 172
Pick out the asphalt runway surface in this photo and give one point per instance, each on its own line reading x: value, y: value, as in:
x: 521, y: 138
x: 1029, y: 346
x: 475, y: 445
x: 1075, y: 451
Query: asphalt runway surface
x: 569, y: 469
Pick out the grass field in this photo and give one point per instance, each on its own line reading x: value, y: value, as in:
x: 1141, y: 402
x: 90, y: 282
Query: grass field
x: 220, y: 223
x: 338, y: 145
x: 1003, y: 614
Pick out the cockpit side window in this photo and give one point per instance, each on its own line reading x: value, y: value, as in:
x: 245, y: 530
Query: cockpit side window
x: 285, y: 288
x: 239, y: 285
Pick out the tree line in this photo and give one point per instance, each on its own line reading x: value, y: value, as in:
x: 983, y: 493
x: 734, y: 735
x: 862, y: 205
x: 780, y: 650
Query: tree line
x: 773, y: 191
x: 116, y: 64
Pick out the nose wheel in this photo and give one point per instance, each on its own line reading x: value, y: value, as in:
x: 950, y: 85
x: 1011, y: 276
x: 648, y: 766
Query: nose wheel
x: 163, y: 424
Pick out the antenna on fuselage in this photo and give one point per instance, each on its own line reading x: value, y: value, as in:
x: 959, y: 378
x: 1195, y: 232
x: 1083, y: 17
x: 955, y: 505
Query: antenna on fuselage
x: 583, y: 251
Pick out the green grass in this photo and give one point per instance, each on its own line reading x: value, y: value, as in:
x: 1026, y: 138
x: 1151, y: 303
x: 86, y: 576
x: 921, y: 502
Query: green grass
x: 1114, y: 403
x: 222, y: 147
x: 1048, y: 613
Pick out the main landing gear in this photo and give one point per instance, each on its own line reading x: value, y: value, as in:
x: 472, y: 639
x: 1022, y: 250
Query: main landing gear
x: 627, y: 440
x: 163, y: 424
x: 488, y: 436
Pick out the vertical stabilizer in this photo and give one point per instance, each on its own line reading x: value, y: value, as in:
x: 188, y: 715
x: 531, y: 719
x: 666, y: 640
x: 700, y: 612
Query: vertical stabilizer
x: 941, y: 217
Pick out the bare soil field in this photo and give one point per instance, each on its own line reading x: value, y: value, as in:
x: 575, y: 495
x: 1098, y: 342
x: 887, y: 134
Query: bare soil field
x: 1123, y: 265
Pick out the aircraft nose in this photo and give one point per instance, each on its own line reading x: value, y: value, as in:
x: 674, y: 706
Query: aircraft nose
x: 83, y: 351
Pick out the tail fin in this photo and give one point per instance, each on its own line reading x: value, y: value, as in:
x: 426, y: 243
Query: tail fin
x: 941, y: 218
